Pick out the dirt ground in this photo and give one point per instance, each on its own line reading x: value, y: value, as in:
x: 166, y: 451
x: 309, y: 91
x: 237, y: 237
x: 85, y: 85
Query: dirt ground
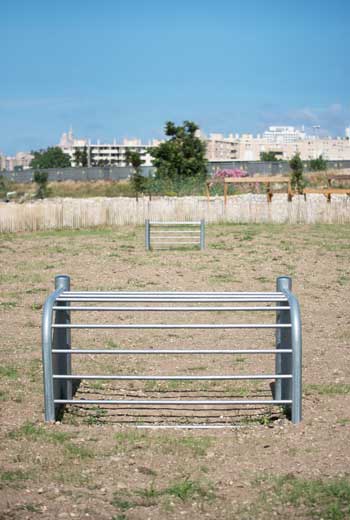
x: 95, y: 463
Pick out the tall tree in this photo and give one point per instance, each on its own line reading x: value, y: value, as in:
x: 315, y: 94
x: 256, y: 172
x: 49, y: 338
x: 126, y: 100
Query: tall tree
x: 137, y: 180
x: 182, y: 156
x: 297, y: 167
x: 53, y: 157
x: 84, y: 157
x: 77, y: 157
x: 41, y: 178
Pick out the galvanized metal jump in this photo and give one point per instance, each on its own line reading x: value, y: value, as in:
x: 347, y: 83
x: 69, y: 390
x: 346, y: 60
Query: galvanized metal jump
x: 167, y: 235
x: 57, y: 352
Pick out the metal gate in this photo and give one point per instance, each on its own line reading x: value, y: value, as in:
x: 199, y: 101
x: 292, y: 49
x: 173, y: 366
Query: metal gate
x: 63, y: 304
x: 167, y: 235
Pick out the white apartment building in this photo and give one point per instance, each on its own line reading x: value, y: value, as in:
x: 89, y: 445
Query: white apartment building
x: 283, y: 135
x: 99, y: 153
x: 285, y: 141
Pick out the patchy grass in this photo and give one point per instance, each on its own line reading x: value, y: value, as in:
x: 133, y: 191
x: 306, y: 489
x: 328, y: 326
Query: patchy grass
x: 38, y: 433
x: 134, y: 439
x: 184, y: 489
x: 327, y: 499
x: 8, y: 305
x: 328, y: 389
x: 12, y: 476
x: 9, y: 372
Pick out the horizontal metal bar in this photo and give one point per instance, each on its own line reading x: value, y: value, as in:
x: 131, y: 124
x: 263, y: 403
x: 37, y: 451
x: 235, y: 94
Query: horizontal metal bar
x: 152, y: 299
x: 173, y: 223
x: 173, y: 243
x: 150, y: 402
x: 172, y: 326
x: 175, y: 231
x: 178, y: 293
x: 190, y: 426
x: 171, y: 309
x: 169, y: 351
x: 240, y: 377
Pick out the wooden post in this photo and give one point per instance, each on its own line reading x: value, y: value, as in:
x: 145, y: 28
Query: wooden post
x: 269, y: 192
x: 207, y: 186
x: 225, y: 193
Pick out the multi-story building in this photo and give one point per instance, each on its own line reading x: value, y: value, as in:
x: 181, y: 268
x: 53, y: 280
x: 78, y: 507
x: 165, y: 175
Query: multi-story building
x: 21, y: 161
x: 2, y: 162
x: 220, y: 148
x: 283, y: 135
x: 103, y: 153
x: 285, y: 142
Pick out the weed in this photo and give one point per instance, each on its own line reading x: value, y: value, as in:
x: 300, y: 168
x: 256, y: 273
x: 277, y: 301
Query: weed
x: 33, y: 432
x: 197, y: 445
x: 77, y: 452
x: 32, y: 508
x: 3, y: 396
x: 343, y: 279
x: 187, y: 488
x: 327, y: 499
x: 95, y: 415
x: 343, y: 421
x: 121, y: 502
x: 129, y: 439
x: 9, y: 371
x: 328, y: 389
x: 8, y: 305
x: 36, y: 306
x: 184, y: 490
x: 13, y: 475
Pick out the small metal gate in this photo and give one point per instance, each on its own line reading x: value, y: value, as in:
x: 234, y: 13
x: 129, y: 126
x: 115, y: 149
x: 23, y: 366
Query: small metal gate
x: 59, y: 381
x: 167, y: 235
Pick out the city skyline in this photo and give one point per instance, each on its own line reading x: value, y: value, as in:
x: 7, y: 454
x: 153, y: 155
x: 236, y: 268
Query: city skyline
x: 123, y: 70
x: 311, y: 133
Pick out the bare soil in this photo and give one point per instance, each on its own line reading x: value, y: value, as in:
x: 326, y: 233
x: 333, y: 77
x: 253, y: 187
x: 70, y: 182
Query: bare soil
x: 96, y: 463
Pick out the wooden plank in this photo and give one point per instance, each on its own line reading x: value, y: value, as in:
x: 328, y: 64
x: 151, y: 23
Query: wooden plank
x: 338, y: 177
x: 254, y: 180
x: 328, y: 191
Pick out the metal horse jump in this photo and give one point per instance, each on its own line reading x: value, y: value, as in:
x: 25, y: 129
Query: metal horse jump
x: 166, y: 235
x: 57, y: 348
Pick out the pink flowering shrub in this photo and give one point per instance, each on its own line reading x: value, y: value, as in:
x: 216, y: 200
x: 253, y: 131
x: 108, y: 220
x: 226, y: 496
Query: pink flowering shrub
x: 232, y: 173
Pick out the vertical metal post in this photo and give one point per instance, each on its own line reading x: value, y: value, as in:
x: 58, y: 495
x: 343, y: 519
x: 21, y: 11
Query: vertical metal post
x: 283, y: 341
x: 296, y: 340
x: 289, y: 339
x: 61, y: 363
x: 202, y: 235
x: 147, y: 235
x: 62, y: 283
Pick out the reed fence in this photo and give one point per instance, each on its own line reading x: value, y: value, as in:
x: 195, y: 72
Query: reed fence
x: 68, y: 213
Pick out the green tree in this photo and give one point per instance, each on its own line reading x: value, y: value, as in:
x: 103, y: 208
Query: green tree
x: 77, y: 157
x: 297, y: 179
x: 51, y: 158
x: 318, y: 164
x: 84, y: 157
x: 137, y: 180
x: 182, y: 156
x: 41, y: 178
x: 269, y: 156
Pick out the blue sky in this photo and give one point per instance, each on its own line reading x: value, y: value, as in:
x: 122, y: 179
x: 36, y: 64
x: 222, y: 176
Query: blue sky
x: 121, y: 69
